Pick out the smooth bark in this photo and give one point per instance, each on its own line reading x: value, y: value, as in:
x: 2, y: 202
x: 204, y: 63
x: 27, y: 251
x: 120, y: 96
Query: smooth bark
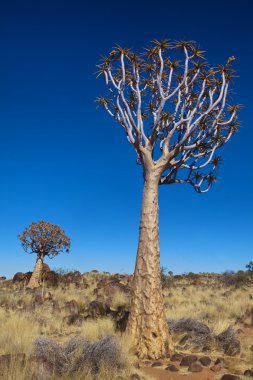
x: 147, y: 322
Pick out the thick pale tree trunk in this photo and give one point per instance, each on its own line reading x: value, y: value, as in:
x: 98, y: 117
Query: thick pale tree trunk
x: 147, y: 322
x: 36, y: 276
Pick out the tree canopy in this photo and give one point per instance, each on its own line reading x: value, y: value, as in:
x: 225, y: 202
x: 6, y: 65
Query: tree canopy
x: 172, y: 104
x: 44, y: 239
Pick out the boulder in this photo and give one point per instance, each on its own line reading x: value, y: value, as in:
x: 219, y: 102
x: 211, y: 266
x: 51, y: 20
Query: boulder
x: 28, y: 275
x: 22, y: 277
x: 176, y: 357
x: 234, y: 348
x: 230, y: 377
x: 219, y: 361
x: 72, y: 278
x: 18, y: 277
x: 195, y: 367
x: 135, y: 376
x: 157, y: 364
x: 205, y: 361
x: 172, y: 368
x: 188, y: 360
x: 120, y: 316
x: 46, y: 268
x: 109, y: 286
x: 52, y: 278
x: 216, y: 368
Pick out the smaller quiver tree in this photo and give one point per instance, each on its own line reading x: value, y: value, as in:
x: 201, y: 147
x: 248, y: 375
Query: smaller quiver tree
x: 43, y: 239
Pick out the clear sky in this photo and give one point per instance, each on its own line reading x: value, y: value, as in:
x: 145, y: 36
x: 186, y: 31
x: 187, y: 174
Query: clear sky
x: 65, y: 161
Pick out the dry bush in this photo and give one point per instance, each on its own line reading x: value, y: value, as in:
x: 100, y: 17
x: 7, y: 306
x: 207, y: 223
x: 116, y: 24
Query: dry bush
x: 228, y: 343
x: 195, y: 332
x: 107, y: 358
x: 80, y: 355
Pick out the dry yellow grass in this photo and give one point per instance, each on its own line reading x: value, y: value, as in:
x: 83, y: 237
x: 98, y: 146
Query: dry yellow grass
x: 119, y: 299
x: 218, y: 308
x: 26, y: 372
x: 97, y: 329
x: 18, y: 332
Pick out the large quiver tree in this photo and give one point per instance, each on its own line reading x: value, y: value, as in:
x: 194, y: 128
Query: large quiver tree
x: 43, y: 239
x: 176, y: 115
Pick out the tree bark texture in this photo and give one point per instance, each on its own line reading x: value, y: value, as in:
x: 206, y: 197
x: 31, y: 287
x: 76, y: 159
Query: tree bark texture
x: 36, y: 275
x: 147, y: 322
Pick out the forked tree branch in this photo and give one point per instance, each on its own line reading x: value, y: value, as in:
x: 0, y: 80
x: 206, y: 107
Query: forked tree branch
x: 175, y: 112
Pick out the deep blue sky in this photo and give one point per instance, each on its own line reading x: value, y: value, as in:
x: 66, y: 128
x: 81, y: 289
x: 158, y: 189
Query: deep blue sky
x: 65, y: 161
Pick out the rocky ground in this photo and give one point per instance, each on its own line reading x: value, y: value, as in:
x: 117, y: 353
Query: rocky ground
x: 210, y: 319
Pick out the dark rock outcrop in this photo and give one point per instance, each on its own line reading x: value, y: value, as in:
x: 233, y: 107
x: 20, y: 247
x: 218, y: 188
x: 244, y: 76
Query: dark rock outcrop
x: 176, y: 358
x: 109, y: 286
x: 188, y: 360
x: 21, y: 277
x: 205, y: 361
x: 157, y: 364
x: 72, y: 278
x: 195, y: 367
x: 172, y: 368
x: 216, y: 368
x: 120, y: 315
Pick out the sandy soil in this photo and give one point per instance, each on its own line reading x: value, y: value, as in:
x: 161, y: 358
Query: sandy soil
x: 162, y: 374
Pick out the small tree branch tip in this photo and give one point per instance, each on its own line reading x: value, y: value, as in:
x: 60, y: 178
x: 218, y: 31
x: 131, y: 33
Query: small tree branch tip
x: 230, y: 60
x: 162, y: 44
